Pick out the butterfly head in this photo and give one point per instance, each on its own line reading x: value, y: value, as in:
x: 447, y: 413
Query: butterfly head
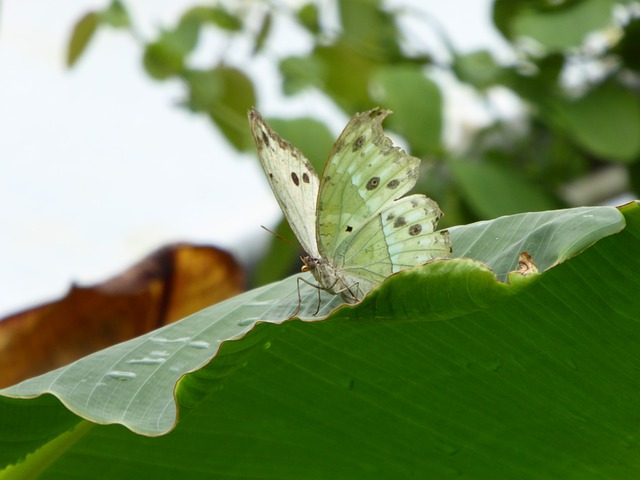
x: 309, y: 263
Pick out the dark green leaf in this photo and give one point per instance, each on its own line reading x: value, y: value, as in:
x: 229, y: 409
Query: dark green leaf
x: 550, y: 67
x: 369, y: 30
x: 217, y: 16
x: 492, y: 190
x: 309, y: 18
x: 563, y: 26
x: 115, y: 15
x: 628, y: 48
x: 345, y: 75
x: 166, y: 56
x: 263, y: 33
x: 82, y: 33
x: 417, y: 105
x: 477, y: 68
x: 634, y: 178
x: 300, y: 73
x: 226, y: 94
x: 605, y: 122
x: 225, y: 20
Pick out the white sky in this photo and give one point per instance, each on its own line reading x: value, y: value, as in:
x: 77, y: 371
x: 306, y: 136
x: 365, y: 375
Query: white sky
x: 99, y: 167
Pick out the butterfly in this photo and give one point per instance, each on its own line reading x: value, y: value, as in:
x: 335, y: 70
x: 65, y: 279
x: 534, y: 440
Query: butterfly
x: 353, y: 222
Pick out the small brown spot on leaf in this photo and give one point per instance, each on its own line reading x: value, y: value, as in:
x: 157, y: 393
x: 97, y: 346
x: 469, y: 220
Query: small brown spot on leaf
x: 526, y: 265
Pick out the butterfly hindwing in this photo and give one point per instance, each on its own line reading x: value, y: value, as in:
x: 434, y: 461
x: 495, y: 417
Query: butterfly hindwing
x: 365, y: 172
x: 293, y: 181
x: 399, y: 237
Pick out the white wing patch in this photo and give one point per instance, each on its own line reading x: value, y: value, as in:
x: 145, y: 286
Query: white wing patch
x: 293, y: 181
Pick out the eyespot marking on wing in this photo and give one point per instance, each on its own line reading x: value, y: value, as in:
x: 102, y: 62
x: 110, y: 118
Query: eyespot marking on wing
x: 415, y: 229
x: 357, y: 145
x: 373, y: 183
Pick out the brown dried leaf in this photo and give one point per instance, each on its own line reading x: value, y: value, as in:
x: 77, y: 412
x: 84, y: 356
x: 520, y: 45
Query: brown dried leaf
x: 170, y: 284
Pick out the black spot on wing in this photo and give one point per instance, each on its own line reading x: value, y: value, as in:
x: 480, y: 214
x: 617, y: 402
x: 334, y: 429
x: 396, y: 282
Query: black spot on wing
x: 357, y: 145
x: 295, y: 179
x: 265, y: 139
x: 400, y: 222
x: 415, y: 229
x: 349, y: 229
x: 393, y: 184
x: 305, y: 177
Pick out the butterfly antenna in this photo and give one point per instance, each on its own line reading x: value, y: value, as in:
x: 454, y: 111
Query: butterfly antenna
x: 279, y: 237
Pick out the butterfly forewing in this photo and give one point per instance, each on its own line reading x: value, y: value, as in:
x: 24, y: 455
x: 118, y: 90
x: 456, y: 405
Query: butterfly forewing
x: 365, y: 172
x: 293, y: 181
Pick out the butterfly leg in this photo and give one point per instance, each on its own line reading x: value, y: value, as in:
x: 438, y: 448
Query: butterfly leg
x: 300, y: 299
x: 352, y: 297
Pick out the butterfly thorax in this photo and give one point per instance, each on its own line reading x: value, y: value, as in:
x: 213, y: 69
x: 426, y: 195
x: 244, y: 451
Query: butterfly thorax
x: 330, y: 278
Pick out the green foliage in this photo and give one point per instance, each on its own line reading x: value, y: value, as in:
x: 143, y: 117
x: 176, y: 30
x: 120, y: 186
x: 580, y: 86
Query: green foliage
x: 561, y: 25
x: 417, y: 105
x: 588, y: 120
x: 225, y: 94
x: 115, y: 16
x: 565, y: 132
x: 442, y: 369
x: 492, y: 189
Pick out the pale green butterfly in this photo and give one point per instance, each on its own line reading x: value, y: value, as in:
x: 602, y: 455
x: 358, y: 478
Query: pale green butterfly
x: 352, y: 223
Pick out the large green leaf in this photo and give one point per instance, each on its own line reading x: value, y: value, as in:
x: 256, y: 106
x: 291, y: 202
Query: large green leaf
x: 537, y: 379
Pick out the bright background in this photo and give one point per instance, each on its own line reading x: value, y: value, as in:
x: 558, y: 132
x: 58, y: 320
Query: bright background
x: 99, y: 166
